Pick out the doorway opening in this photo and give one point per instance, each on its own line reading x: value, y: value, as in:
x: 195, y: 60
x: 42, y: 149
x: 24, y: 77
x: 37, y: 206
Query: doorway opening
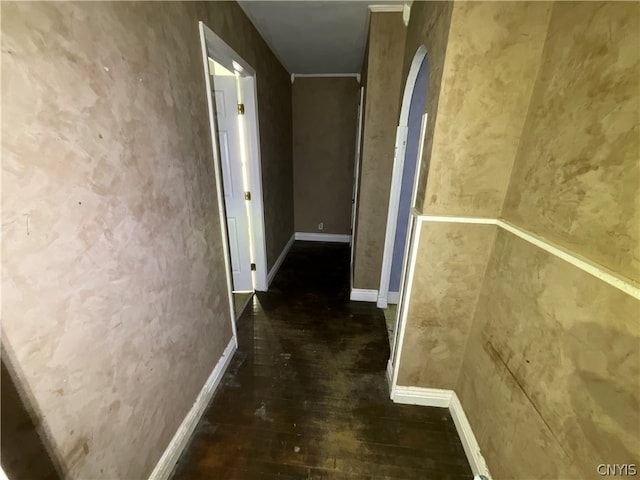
x: 404, y: 178
x: 401, y: 214
x: 233, y: 118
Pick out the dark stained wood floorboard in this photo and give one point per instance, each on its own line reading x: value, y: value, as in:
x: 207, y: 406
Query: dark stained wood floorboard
x: 305, y: 396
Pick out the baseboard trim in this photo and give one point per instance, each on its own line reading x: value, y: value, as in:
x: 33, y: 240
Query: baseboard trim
x: 427, y: 397
x: 436, y: 397
x: 323, y: 237
x: 363, y: 295
x: 389, y: 373
x: 172, y: 453
x: 468, y: 439
x: 278, y: 264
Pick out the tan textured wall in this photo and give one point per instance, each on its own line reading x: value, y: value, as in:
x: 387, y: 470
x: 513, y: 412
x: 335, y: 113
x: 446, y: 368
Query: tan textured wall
x: 429, y: 26
x: 492, y: 58
x: 551, y: 377
x: 488, y: 74
x: 445, y: 292
x: 386, y: 51
x: 577, y: 177
x: 325, y: 115
x: 114, y: 311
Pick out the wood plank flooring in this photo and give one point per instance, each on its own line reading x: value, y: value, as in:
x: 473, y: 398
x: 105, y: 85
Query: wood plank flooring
x: 305, y: 396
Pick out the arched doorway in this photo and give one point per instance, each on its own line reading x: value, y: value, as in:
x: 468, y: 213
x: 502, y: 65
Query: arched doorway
x: 403, y: 178
x: 406, y: 167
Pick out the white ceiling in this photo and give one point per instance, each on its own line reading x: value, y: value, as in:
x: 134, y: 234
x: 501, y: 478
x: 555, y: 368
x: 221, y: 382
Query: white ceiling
x: 314, y: 37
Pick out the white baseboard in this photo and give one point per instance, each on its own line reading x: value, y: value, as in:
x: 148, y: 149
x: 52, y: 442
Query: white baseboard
x: 436, y: 397
x: 278, y: 264
x: 468, y: 439
x: 427, y: 397
x: 323, y: 237
x: 362, y: 295
x: 170, y: 457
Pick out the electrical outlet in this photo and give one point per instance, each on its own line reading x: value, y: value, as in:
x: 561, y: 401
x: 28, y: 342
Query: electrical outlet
x: 321, y: 226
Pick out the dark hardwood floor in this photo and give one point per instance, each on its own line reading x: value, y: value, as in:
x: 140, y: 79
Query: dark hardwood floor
x: 305, y: 396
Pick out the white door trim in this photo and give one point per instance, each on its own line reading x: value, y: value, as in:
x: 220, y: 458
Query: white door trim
x: 218, y: 177
x: 356, y: 180
x: 392, y: 214
x: 396, y: 175
x: 217, y: 49
x: 406, y: 287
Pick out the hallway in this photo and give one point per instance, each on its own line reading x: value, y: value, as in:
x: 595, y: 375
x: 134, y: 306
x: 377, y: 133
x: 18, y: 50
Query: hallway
x: 305, y: 395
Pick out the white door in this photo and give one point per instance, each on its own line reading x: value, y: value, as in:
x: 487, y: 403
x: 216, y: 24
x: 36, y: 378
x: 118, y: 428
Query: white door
x: 226, y: 102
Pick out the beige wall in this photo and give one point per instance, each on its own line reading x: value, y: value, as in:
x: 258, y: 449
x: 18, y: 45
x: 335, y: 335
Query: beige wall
x: 545, y: 358
x: 476, y: 129
x: 551, y: 344
x: 550, y: 380
x: 492, y: 58
x: 383, y: 79
x: 451, y: 261
x: 577, y: 173
x: 429, y: 26
x: 114, y: 308
x: 325, y: 113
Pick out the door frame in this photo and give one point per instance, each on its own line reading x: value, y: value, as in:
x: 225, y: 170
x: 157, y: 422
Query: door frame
x: 356, y: 181
x: 213, y: 46
x: 396, y: 177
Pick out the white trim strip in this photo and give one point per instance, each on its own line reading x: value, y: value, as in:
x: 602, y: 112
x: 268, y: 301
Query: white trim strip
x: 427, y: 397
x: 387, y: 8
x: 600, y: 272
x: 170, y: 457
x: 278, y: 264
x: 363, y: 295
x: 445, y: 219
x: 322, y: 237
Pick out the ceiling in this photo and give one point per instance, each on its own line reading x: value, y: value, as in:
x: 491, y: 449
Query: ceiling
x: 314, y: 37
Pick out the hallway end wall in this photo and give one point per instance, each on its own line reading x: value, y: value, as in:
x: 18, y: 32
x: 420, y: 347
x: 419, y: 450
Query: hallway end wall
x: 325, y: 114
